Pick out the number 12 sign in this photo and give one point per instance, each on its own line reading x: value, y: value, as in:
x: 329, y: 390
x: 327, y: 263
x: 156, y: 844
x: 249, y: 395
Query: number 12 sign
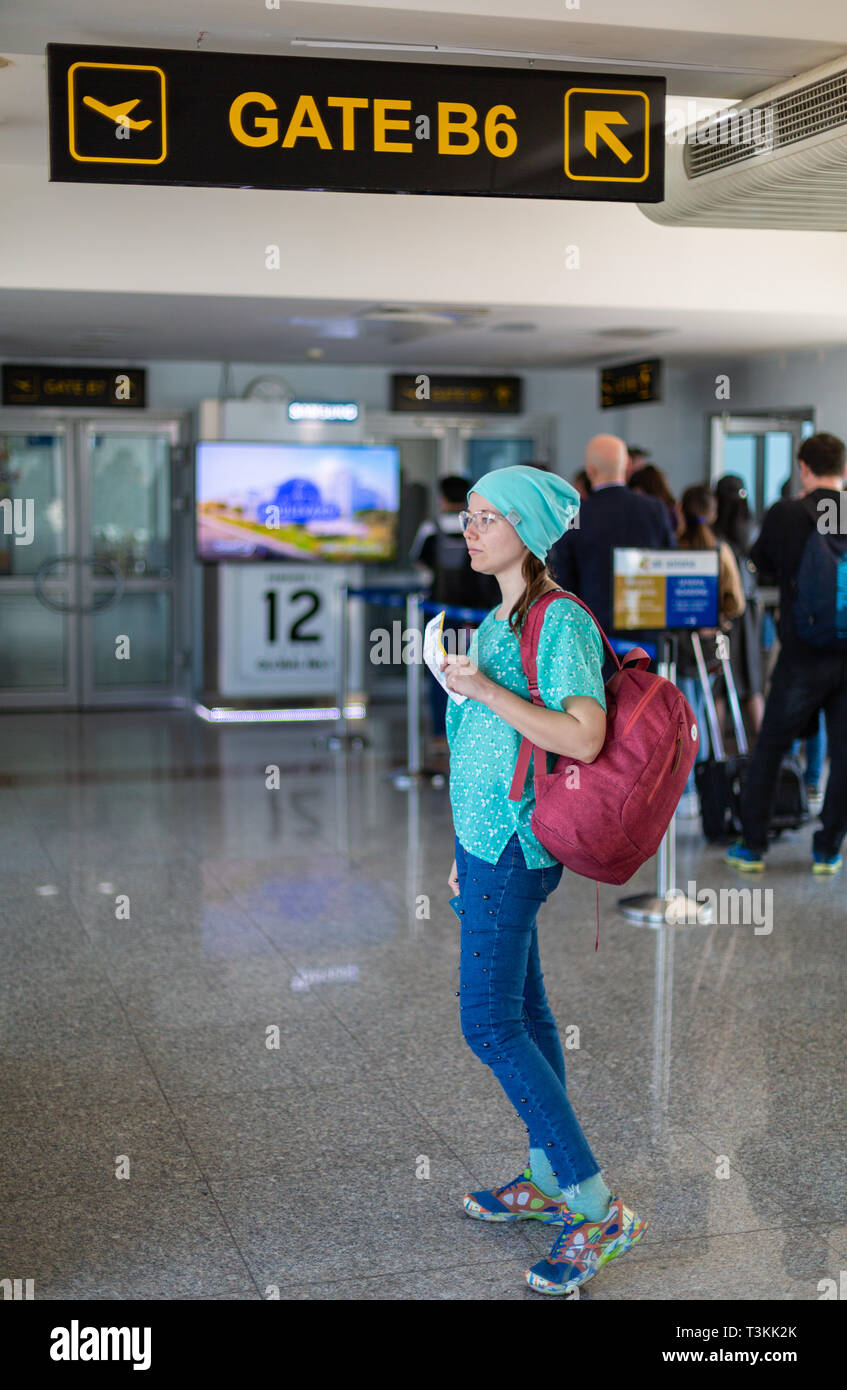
x: 279, y: 630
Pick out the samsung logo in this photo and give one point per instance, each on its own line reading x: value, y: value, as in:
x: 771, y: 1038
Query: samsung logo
x: 346, y: 411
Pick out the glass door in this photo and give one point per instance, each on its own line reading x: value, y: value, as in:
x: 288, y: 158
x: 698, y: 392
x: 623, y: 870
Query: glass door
x: 92, y: 565
x: 762, y: 449
x: 128, y: 590
x: 38, y: 647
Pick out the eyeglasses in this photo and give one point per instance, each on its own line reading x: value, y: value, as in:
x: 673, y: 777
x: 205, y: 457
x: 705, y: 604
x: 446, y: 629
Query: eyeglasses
x: 482, y: 520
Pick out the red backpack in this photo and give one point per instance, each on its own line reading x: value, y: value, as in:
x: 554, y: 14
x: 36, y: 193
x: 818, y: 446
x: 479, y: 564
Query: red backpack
x: 607, y: 820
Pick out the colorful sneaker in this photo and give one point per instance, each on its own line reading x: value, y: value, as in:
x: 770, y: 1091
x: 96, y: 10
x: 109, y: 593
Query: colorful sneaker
x: 584, y: 1247
x: 519, y: 1200
x: 740, y: 857
x: 825, y: 864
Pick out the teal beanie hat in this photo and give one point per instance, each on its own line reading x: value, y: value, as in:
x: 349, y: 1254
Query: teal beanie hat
x: 539, y: 505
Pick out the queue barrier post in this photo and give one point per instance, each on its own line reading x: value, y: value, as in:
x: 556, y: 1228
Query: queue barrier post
x: 342, y: 739
x: 416, y: 606
x: 667, y: 906
x: 410, y: 775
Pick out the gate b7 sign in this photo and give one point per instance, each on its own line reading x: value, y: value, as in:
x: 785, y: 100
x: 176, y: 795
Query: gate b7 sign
x: 231, y: 120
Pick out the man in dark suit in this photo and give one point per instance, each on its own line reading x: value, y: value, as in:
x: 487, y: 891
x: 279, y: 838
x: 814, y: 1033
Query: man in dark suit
x: 613, y: 515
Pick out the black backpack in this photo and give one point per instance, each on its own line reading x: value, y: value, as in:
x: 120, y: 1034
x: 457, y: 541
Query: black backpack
x: 820, y: 588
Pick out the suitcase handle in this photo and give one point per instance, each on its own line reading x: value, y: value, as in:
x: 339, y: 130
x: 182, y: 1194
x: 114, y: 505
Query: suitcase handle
x: 711, y: 712
x: 722, y: 652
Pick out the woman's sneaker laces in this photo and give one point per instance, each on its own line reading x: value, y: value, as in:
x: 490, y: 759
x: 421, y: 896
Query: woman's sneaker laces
x: 584, y: 1247
x: 518, y: 1200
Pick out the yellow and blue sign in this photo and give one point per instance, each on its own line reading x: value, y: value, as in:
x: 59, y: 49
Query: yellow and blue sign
x: 664, y: 589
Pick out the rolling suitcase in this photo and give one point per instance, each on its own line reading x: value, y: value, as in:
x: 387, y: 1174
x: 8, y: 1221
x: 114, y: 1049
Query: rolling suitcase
x: 719, y: 780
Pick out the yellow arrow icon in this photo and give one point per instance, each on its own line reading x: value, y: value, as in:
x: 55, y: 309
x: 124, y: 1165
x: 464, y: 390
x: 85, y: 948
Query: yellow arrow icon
x: 597, y: 124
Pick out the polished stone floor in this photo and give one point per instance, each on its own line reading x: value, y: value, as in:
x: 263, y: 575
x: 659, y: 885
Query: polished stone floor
x: 164, y: 911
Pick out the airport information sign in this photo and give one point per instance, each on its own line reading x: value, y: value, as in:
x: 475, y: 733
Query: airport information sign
x: 631, y: 384
x: 236, y: 120
x: 664, y: 589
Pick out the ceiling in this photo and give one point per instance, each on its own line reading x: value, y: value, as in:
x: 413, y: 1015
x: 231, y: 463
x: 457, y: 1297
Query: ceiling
x: 138, y: 328
x: 720, y: 53
x: 725, y: 49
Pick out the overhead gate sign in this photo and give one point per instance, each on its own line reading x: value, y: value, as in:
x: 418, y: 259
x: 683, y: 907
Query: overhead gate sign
x: 233, y: 120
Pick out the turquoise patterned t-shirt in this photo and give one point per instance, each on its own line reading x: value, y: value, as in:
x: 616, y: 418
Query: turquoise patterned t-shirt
x: 484, y: 748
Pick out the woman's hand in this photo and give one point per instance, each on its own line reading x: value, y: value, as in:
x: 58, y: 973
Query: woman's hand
x: 465, y: 677
x: 453, y: 880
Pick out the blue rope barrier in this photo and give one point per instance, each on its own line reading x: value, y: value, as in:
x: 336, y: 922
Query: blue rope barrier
x: 468, y: 615
x: 397, y: 599
x: 385, y: 596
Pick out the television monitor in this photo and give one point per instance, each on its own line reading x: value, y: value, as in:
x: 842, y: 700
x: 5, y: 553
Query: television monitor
x: 307, y: 502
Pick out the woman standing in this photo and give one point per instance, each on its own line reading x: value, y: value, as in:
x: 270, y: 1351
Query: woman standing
x: 699, y: 510
x: 501, y: 874
x: 732, y: 525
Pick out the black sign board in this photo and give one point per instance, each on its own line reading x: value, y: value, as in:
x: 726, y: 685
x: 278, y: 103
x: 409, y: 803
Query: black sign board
x: 86, y: 386
x: 465, y: 395
x: 236, y: 120
x: 631, y: 383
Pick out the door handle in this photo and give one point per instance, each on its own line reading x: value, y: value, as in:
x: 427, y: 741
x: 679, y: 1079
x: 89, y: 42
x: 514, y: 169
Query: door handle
x: 112, y: 598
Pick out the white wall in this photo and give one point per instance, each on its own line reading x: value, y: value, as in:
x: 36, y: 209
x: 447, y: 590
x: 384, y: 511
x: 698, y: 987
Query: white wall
x: 351, y: 246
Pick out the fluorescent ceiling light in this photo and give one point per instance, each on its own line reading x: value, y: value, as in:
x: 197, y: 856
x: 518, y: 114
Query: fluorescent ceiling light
x: 375, y: 46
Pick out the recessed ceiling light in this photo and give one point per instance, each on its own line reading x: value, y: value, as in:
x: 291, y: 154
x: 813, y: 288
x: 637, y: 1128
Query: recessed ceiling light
x: 422, y: 313
x: 631, y: 332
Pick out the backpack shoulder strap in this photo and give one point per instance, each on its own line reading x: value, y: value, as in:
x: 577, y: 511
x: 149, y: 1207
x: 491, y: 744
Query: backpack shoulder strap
x: 530, y: 634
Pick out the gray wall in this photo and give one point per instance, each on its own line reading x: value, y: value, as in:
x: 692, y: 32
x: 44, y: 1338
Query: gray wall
x: 673, y: 428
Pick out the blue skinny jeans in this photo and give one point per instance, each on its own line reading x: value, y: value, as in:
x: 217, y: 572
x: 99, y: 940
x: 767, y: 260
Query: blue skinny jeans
x: 505, y: 1017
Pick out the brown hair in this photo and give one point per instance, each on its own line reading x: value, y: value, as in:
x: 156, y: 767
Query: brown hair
x: 537, y: 579
x: 652, y: 481
x: 696, y: 533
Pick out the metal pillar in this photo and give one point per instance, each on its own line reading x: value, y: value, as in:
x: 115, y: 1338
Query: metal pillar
x: 667, y: 906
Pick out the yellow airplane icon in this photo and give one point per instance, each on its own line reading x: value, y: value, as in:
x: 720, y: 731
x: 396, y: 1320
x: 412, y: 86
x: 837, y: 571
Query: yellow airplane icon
x: 119, y: 113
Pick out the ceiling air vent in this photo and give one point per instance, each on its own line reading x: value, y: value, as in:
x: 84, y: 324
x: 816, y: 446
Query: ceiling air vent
x: 777, y: 160
x: 746, y: 130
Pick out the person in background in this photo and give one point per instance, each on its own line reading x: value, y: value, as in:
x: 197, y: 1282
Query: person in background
x: 699, y: 510
x: 653, y: 483
x: 815, y: 752
x: 806, y: 679
x: 613, y: 515
x: 582, y: 483
x: 733, y: 526
x: 815, y: 744
x: 440, y: 554
x: 635, y: 459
